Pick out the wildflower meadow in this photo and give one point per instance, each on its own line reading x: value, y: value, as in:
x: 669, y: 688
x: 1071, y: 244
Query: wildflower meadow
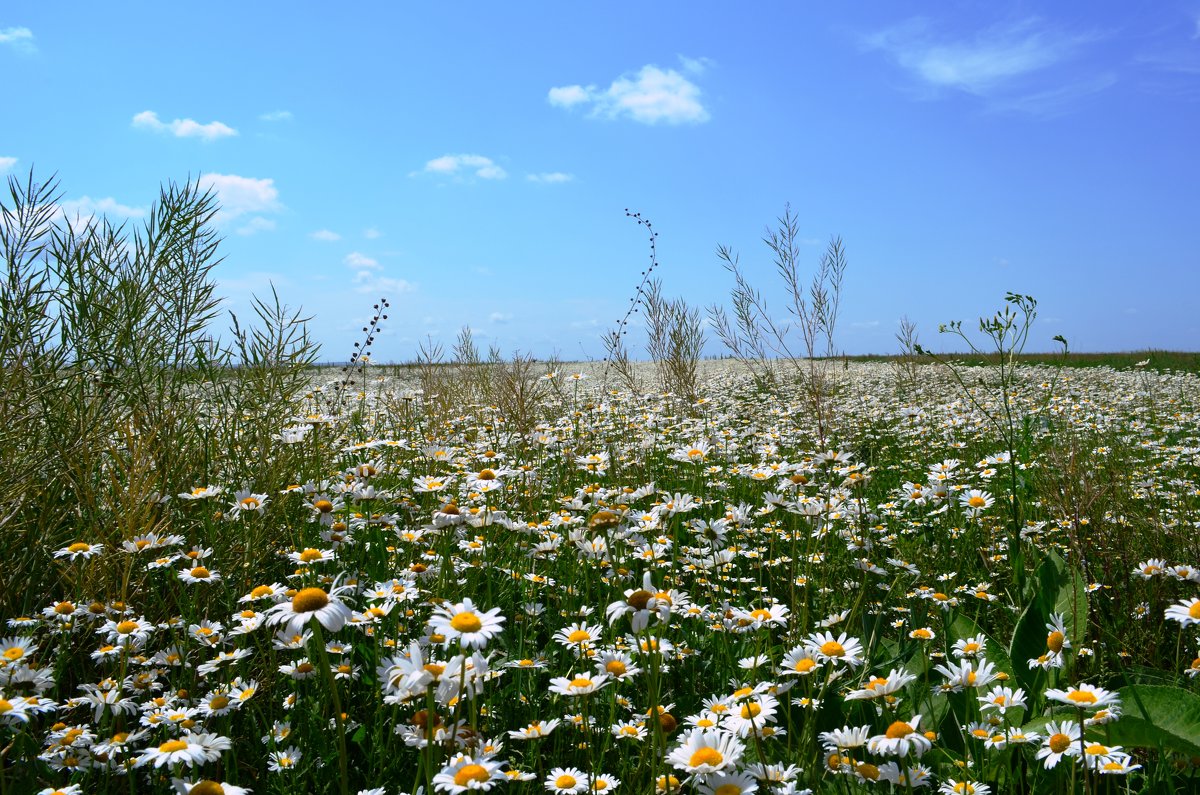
x: 226, y: 570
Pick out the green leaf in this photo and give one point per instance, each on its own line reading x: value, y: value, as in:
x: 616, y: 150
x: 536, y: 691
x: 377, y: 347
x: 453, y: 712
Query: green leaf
x: 1072, y: 602
x: 1157, y: 716
x: 1029, y: 642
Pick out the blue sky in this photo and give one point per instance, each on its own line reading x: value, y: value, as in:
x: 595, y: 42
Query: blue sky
x: 473, y: 165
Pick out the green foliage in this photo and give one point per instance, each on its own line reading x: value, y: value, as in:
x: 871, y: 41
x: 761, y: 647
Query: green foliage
x: 1157, y: 717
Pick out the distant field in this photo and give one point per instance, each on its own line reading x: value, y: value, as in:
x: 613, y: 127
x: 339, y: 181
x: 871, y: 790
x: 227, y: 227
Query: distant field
x: 1183, y: 361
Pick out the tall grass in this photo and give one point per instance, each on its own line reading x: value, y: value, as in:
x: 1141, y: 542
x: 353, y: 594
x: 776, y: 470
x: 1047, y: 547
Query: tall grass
x: 115, y: 391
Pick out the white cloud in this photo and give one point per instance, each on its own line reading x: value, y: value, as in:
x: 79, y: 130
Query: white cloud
x: 325, y: 234
x: 80, y: 212
x: 256, y: 224
x: 696, y: 66
x: 982, y: 64
x: 1054, y: 101
x: 454, y: 165
x: 361, y: 262
x: 20, y: 39
x: 371, y: 233
x: 242, y: 195
x: 6, y: 163
x: 550, y: 177
x: 276, y: 115
x: 500, y: 317
x: 650, y: 96
x: 183, y: 128
x: 567, y: 96
x: 385, y: 286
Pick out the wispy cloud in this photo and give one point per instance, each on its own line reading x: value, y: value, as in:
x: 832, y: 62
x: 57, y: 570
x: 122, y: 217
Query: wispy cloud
x: 371, y: 233
x: 500, y: 317
x: 20, y: 39
x: 244, y: 196
x: 183, y: 128
x: 359, y: 261
x: 458, y: 165
x: 650, y: 96
x: 255, y: 225
x: 984, y: 64
x: 80, y: 212
x: 386, y: 286
x: 1053, y: 101
x: 550, y: 177
x: 369, y: 277
x: 326, y: 235
x: 276, y: 115
x: 6, y: 163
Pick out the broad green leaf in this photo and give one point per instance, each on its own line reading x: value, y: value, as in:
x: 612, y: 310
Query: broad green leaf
x: 1154, y: 716
x: 1028, y: 642
x: 1071, y: 601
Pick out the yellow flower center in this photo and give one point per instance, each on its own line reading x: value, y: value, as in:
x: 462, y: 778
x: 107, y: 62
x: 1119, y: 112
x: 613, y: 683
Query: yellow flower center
x: 579, y: 636
x: 208, y: 787
x: 310, y: 554
x: 751, y: 710
x: 1082, y: 697
x: 249, y: 502
x: 615, y: 667
x: 469, y: 773
x: 5, y: 706
x: 324, y: 506
x: 466, y: 622
x: 804, y: 665
x: 171, y: 746
x: 565, y: 781
x: 261, y: 590
x: 125, y: 627
x: 14, y: 653
x: 977, y: 502
x: 201, y: 573
x: 218, y: 703
x: 309, y: 600
x: 1054, y: 641
x: 638, y: 599
x: 486, y: 474
x: 868, y: 771
x: 761, y: 615
x: 64, y: 608
x: 1194, y: 610
x: 706, y: 756
x: 832, y: 649
x: 1059, y: 743
x: 435, y: 669
x: 79, y: 546
x: 1096, y: 749
x: 898, y: 729
x: 581, y: 681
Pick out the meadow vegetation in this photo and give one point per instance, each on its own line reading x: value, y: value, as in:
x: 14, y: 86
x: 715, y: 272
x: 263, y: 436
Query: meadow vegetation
x: 222, y: 570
